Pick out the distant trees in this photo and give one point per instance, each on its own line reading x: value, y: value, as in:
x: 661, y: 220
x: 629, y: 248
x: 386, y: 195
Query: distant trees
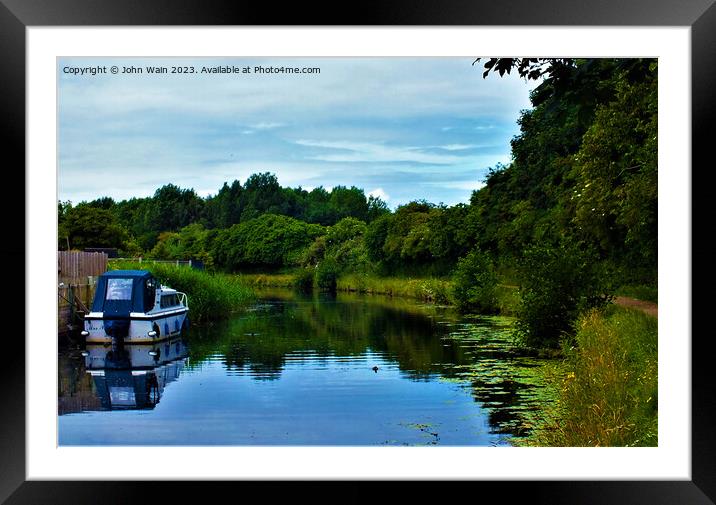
x: 88, y: 226
x: 151, y: 220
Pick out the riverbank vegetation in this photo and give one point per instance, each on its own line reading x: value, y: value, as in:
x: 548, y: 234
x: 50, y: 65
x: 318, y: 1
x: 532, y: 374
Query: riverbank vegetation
x: 551, y: 237
x: 211, y: 295
x: 608, y: 388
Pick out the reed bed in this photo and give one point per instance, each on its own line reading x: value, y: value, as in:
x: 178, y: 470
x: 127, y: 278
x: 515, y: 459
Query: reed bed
x: 211, y: 295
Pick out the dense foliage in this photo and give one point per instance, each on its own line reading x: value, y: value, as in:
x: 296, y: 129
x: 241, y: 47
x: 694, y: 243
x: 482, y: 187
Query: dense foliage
x: 559, y: 283
x: 578, y: 199
x: 268, y: 240
x: 475, y: 282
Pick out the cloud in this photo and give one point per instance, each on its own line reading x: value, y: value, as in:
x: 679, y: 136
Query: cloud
x: 267, y: 126
x: 458, y: 147
x: 379, y: 193
x: 373, y: 152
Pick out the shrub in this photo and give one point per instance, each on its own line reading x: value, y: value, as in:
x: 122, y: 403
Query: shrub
x: 475, y: 282
x: 269, y: 240
x: 327, y: 275
x: 558, y: 283
x: 303, y: 281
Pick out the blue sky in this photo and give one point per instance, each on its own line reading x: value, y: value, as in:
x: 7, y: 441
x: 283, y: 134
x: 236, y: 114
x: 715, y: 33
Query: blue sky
x: 400, y: 128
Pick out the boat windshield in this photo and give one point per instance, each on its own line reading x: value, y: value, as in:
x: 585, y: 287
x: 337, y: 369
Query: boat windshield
x: 119, y: 289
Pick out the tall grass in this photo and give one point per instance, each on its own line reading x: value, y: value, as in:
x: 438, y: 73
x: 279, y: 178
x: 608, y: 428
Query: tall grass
x: 608, y: 396
x: 211, y: 295
x: 268, y: 280
x: 430, y: 289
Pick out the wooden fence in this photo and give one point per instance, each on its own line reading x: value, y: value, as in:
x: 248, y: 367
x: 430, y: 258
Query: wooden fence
x: 73, y: 267
x: 74, y: 300
x: 77, y: 274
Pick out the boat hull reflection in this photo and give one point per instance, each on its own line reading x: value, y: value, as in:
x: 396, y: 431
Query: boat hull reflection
x: 134, y: 376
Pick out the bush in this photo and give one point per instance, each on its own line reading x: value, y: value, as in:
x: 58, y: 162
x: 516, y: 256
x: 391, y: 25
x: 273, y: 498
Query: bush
x: 303, y: 281
x: 475, y: 283
x: 558, y: 283
x: 327, y: 275
x: 267, y: 241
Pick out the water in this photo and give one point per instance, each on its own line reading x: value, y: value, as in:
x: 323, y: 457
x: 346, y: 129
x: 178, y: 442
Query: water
x: 299, y: 370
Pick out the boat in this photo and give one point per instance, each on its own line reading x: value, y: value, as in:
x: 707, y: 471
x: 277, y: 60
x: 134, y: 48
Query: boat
x: 132, y: 306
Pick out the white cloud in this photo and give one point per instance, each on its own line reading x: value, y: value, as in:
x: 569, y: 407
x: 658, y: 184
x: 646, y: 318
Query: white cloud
x: 267, y: 126
x: 379, y: 193
x: 457, y: 147
x: 372, y: 152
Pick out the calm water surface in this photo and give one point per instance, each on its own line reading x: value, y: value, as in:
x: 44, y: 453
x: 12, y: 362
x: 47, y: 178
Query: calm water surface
x: 299, y: 370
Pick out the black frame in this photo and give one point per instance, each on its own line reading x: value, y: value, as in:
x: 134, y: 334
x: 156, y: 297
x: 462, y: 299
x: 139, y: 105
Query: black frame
x: 16, y: 15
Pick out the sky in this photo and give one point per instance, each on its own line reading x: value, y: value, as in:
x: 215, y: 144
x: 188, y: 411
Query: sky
x: 400, y: 128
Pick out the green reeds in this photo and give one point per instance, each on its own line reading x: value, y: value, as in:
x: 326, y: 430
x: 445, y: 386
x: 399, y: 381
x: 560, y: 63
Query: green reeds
x: 211, y: 295
x: 430, y: 289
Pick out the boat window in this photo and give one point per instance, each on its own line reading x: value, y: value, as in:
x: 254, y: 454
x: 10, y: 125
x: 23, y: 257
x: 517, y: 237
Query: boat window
x: 119, y: 289
x: 169, y: 301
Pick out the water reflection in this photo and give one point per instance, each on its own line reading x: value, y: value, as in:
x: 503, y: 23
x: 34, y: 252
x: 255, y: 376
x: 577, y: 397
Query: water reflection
x: 133, y: 376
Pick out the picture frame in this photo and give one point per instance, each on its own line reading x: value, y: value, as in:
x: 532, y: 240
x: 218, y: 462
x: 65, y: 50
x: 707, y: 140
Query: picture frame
x: 17, y: 15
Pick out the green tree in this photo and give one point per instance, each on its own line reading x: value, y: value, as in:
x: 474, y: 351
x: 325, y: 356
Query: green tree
x: 349, y: 202
x: 262, y: 194
x: 86, y: 226
x: 270, y: 240
x: 172, y: 208
x: 475, y: 282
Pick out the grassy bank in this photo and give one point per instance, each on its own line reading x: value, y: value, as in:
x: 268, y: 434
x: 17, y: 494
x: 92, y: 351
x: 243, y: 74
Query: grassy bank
x: 211, y: 296
x: 269, y: 280
x: 608, y: 394
x: 429, y: 289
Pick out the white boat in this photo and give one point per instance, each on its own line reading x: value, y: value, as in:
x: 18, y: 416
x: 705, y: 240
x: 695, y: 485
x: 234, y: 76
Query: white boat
x: 131, y: 306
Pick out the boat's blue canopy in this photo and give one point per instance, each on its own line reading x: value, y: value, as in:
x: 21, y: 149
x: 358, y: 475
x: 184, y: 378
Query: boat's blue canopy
x: 127, y: 273
x: 120, y: 292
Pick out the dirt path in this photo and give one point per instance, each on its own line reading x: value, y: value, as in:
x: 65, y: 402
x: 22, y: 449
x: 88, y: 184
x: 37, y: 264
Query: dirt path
x: 649, y: 308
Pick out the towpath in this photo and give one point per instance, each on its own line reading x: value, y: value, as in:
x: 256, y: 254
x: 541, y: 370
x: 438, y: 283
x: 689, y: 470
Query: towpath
x: 649, y: 308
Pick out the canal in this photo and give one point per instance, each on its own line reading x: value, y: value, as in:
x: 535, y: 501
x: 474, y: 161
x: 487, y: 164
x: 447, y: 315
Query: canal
x: 309, y: 370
